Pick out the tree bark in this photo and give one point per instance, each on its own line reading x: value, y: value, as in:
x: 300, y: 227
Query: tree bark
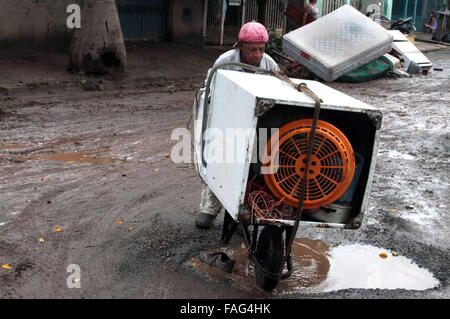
x: 98, y: 46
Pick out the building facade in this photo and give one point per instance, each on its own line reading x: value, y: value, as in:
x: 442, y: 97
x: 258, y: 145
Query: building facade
x: 31, y: 22
x: 197, y: 22
x: 418, y: 9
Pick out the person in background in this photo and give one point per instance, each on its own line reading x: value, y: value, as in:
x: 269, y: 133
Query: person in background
x: 432, y: 24
x: 311, y: 12
x: 250, y: 50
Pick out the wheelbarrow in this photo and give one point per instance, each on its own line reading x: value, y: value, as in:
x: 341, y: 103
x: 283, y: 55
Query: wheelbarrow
x: 307, y: 150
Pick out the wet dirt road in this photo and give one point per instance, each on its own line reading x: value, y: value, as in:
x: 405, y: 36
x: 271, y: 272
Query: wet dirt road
x: 85, y: 180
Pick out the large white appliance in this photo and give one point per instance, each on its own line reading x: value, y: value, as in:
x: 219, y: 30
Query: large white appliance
x: 251, y: 142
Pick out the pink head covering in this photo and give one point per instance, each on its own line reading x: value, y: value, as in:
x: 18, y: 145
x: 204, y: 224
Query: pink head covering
x: 253, y: 32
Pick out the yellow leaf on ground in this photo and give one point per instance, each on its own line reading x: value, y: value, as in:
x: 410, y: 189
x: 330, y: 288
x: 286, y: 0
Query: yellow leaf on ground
x: 383, y: 255
x: 6, y: 266
x: 70, y: 162
x: 41, y: 240
x: 393, y: 210
x: 166, y: 155
x: 119, y: 221
x: 58, y: 229
x: 394, y: 253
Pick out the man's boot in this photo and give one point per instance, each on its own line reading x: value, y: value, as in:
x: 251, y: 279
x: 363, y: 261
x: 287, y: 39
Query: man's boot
x: 204, y: 220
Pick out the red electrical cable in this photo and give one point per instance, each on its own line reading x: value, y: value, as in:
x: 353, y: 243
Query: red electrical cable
x: 262, y: 204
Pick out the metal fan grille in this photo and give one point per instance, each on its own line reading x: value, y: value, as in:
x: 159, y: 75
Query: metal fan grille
x: 331, y: 166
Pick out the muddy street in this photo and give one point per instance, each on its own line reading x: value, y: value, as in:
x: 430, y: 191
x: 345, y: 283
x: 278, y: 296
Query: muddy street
x: 86, y: 179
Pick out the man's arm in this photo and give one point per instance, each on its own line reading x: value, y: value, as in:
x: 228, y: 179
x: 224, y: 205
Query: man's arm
x: 306, y: 10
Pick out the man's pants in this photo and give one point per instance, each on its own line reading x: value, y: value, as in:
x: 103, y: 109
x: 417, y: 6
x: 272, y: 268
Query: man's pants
x: 209, y: 203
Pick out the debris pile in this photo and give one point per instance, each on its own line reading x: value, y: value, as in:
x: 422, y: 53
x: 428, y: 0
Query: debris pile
x: 347, y: 46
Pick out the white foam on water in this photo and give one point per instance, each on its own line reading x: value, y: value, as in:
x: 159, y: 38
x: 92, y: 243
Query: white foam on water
x: 360, y: 266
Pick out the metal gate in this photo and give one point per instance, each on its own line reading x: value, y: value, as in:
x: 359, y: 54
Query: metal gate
x: 274, y: 17
x: 331, y: 5
x: 143, y: 19
x: 223, y: 19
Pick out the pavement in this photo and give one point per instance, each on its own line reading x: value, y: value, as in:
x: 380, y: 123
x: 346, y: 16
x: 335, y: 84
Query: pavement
x: 423, y: 42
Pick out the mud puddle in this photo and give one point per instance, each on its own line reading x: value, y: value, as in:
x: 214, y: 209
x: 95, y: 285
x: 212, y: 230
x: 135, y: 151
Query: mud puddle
x: 242, y: 270
x: 72, y: 157
x: 317, y: 268
x: 82, y: 157
x: 369, y: 267
x: 310, y: 259
x: 10, y: 147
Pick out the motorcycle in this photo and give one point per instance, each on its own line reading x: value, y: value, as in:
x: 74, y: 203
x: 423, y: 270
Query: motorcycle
x: 405, y: 26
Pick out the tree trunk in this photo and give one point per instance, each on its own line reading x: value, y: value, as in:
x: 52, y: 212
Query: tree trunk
x: 98, y: 46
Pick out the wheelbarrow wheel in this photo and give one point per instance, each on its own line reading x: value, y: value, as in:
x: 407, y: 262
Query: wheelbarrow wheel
x: 269, y: 254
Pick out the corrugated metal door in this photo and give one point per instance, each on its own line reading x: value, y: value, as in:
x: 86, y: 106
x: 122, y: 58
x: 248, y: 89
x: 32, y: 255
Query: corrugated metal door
x: 143, y: 19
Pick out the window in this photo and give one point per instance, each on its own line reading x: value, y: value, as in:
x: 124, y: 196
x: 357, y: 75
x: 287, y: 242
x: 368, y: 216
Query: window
x: 187, y: 15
